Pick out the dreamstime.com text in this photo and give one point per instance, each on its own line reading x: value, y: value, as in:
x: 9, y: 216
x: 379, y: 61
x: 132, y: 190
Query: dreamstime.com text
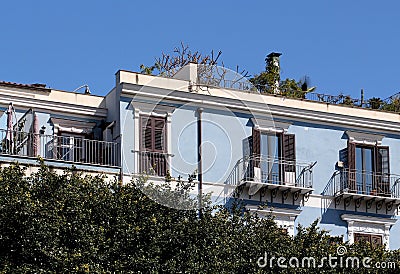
x: 337, y: 261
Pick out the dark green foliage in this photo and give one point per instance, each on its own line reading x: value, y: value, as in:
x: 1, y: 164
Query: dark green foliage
x: 375, y: 102
x: 71, y: 223
x: 392, y: 105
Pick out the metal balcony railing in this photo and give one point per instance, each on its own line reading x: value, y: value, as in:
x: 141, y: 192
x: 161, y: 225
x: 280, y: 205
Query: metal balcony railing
x: 364, y: 183
x: 272, y: 171
x: 153, y: 163
x: 66, y: 148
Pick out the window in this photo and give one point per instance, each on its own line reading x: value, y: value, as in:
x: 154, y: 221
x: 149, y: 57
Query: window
x: 369, y: 169
x: 153, y: 134
x: 374, y: 240
x: 364, y: 167
x: 152, y: 154
x: 375, y: 230
x: 274, y: 154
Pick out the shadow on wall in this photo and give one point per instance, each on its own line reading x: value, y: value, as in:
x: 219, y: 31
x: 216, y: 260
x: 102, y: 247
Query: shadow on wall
x: 332, y: 216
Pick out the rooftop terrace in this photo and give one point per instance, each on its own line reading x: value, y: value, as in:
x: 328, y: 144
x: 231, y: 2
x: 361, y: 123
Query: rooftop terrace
x: 217, y: 79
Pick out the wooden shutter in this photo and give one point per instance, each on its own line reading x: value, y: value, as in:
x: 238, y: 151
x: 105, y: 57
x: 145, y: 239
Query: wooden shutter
x: 376, y: 240
x: 256, y: 147
x: 256, y: 142
x: 382, y: 170
x: 159, y: 134
x: 351, y: 165
x: 146, y: 133
x: 351, y: 156
x: 153, y: 145
x: 358, y: 237
x: 289, y: 152
x: 153, y: 134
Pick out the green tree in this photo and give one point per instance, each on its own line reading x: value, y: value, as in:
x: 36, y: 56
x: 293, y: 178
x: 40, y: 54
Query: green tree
x: 392, y: 105
x: 375, y: 102
x: 72, y: 223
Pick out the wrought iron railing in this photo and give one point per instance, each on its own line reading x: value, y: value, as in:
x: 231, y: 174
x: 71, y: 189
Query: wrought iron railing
x: 66, y: 148
x: 214, y: 76
x: 332, y: 99
x: 365, y: 183
x: 153, y: 163
x: 239, y: 84
x: 273, y: 171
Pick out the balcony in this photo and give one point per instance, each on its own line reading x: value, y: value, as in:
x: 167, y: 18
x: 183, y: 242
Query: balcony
x: 357, y: 186
x: 259, y: 174
x: 153, y: 163
x: 61, y: 148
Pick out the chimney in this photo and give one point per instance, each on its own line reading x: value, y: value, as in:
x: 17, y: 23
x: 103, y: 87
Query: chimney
x: 273, y: 67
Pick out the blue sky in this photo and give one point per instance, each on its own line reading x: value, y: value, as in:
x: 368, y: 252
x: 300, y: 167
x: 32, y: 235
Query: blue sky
x: 342, y: 46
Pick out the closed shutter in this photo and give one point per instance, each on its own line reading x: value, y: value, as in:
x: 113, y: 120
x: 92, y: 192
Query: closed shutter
x: 376, y: 240
x: 153, y: 134
x: 351, y: 165
x: 147, y: 134
x: 256, y: 142
x: 289, y: 152
x: 382, y: 170
x: 256, y: 147
x: 351, y: 158
x: 358, y: 237
x: 153, y: 145
x: 159, y: 134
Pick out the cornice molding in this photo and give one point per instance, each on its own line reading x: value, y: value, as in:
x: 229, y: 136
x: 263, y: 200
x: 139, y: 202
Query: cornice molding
x: 368, y: 219
x: 52, y: 107
x: 259, y: 109
x: 275, y: 211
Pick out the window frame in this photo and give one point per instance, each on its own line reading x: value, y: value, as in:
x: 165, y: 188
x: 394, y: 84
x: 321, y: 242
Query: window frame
x: 283, y: 142
x: 153, y: 128
x: 382, y: 184
x: 286, y: 158
x: 368, y: 237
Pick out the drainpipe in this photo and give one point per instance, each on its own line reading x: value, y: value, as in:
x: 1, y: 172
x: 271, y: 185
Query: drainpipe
x: 199, y: 160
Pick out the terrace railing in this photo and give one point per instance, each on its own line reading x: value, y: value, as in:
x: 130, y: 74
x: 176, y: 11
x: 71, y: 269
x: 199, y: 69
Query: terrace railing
x: 261, y: 169
x: 220, y: 77
x: 65, y: 148
x: 364, y: 183
x: 153, y: 163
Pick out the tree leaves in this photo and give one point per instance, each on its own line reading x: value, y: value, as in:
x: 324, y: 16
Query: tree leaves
x: 74, y: 223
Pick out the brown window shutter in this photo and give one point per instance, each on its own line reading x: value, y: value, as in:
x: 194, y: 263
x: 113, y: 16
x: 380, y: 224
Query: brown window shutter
x: 351, y: 165
x: 159, y: 134
x: 351, y: 156
x: 376, y: 240
x: 256, y: 142
x: 153, y: 145
x: 358, y: 237
x: 256, y: 147
x: 289, y: 152
x: 153, y: 134
x: 147, y: 133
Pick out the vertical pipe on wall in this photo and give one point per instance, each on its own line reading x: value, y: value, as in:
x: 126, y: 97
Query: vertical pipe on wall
x: 199, y: 160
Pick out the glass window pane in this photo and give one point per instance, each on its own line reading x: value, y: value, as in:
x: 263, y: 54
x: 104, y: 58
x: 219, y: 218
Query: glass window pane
x: 270, y: 155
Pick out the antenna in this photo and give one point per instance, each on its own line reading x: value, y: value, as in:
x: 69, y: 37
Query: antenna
x: 87, y: 90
